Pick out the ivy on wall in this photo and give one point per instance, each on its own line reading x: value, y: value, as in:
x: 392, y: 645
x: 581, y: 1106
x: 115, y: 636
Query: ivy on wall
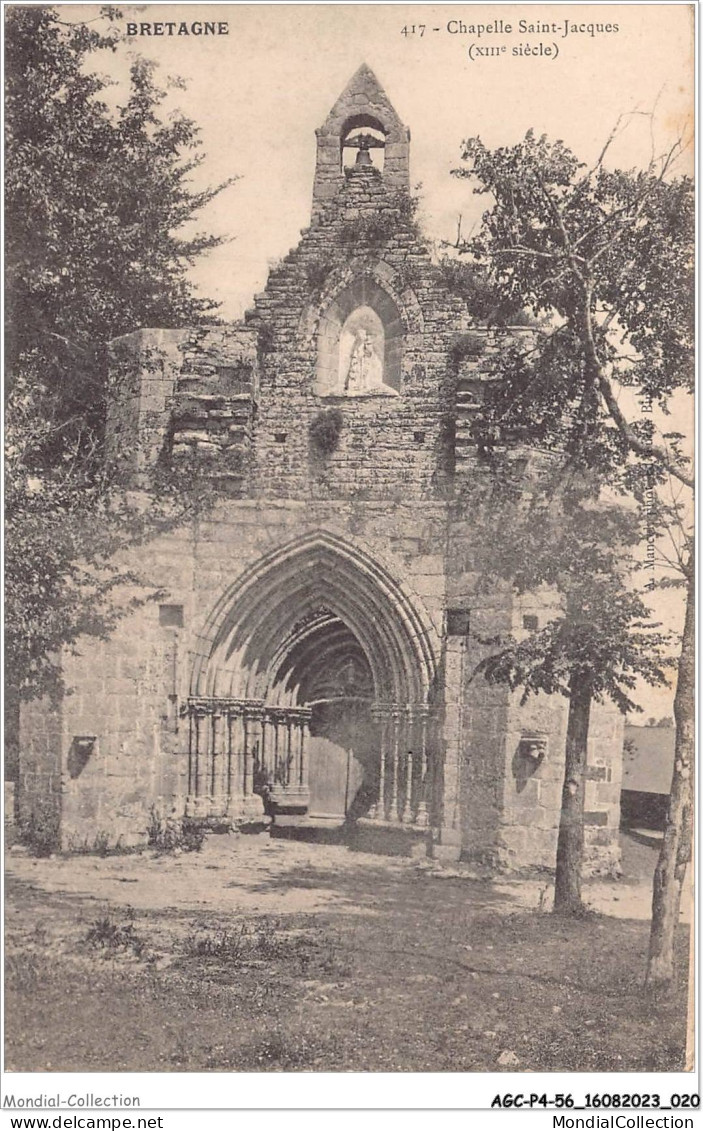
x: 325, y: 431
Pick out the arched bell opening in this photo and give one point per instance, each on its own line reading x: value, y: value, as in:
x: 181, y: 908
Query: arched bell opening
x: 362, y: 107
x: 311, y: 693
x: 362, y: 143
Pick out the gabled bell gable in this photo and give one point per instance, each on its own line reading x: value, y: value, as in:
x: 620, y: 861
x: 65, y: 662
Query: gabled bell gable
x: 362, y: 103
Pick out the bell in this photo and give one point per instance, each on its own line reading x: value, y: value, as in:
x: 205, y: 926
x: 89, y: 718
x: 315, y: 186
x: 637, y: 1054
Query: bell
x: 363, y: 157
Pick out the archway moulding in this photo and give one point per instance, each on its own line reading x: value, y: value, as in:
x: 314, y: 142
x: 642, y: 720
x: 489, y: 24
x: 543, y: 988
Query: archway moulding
x: 380, y: 273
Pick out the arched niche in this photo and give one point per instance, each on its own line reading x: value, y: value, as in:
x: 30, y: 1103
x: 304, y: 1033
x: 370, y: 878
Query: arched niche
x: 360, y: 343
x: 322, y: 667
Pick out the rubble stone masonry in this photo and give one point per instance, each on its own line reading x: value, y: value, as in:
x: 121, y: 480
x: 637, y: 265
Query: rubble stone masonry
x: 392, y: 497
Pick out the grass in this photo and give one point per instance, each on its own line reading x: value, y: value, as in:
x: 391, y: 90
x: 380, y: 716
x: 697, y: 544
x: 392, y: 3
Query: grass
x: 111, y: 938
x: 415, y: 974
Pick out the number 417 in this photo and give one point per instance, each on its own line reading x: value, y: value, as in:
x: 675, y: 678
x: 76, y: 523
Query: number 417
x: 414, y: 29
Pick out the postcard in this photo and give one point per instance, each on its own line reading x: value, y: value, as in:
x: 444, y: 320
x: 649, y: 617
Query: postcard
x: 349, y: 579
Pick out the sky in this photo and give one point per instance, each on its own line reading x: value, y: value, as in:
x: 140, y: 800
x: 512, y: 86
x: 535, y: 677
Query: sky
x: 260, y: 92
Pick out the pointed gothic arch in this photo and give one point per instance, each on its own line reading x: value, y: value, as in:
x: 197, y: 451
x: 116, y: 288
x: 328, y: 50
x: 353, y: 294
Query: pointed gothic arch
x: 258, y: 621
x: 314, y: 646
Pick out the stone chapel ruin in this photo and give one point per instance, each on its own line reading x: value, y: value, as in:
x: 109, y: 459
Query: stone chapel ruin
x: 312, y: 661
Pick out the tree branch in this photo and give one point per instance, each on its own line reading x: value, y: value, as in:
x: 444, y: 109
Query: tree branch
x: 634, y: 443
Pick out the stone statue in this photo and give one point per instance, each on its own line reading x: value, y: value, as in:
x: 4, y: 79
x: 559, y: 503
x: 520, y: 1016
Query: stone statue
x: 365, y: 371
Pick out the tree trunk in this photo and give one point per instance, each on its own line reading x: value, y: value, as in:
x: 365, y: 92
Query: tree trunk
x: 676, y: 850
x: 12, y: 730
x: 567, y: 888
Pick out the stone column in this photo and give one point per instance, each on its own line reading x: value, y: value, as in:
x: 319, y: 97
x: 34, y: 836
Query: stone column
x: 231, y: 778
x: 217, y: 799
x: 225, y: 735
x: 250, y: 807
x: 236, y: 757
x: 192, y: 753
x: 304, y: 745
x: 377, y: 811
x: 422, y: 817
x: 289, y: 751
x: 256, y: 745
x: 297, y: 753
x: 395, y: 758
x: 299, y: 786
x: 274, y: 757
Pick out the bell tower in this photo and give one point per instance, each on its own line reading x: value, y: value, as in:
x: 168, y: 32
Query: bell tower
x: 364, y: 120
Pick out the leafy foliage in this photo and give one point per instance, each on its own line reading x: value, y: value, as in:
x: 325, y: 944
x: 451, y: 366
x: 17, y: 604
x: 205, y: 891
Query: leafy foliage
x: 95, y: 202
x: 326, y: 429
x: 604, y: 638
x: 168, y: 833
x: 606, y: 257
x: 318, y: 271
x: 468, y: 347
x: 603, y: 259
x: 473, y: 284
x: 111, y: 938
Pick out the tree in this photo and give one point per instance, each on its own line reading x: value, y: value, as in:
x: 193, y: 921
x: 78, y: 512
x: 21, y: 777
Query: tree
x: 595, y: 649
x: 95, y: 204
x: 604, y: 258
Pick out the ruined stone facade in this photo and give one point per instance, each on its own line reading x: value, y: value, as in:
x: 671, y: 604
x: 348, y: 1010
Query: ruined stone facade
x: 311, y: 659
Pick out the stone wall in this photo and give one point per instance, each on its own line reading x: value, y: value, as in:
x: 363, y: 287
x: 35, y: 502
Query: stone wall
x: 603, y: 788
x: 40, y: 784
x: 388, y: 446
x: 244, y: 399
x: 128, y: 691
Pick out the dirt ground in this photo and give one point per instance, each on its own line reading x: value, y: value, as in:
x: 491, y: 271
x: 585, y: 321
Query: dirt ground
x: 274, y: 954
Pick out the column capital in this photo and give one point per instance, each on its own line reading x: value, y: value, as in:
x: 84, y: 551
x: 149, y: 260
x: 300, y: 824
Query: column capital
x: 253, y: 710
x: 300, y: 714
x: 199, y: 707
x: 421, y: 711
x: 381, y: 710
x: 275, y: 714
x: 219, y: 704
x: 288, y: 715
